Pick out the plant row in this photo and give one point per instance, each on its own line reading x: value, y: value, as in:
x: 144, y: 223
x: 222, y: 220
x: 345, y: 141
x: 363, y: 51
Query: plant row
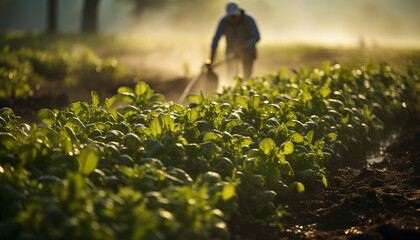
x: 216, y: 168
x: 22, y: 71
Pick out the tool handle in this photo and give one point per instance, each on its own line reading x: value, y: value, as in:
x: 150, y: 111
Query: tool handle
x: 206, y: 67
x: 229, y: 56
x: 189, y: 87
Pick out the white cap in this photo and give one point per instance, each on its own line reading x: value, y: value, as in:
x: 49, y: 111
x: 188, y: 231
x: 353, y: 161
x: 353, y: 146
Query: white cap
x: 232, y: 9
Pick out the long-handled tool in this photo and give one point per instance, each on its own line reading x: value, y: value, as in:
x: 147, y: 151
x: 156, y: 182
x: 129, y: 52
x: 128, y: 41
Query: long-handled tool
x: 207, y: 71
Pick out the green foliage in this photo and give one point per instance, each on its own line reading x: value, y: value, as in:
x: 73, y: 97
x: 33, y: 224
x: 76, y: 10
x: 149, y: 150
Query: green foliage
x: 298, y: 187
x: 154, y: 170
x: 23, y: 70
x: 88, y: 160
x: 267, y: 145
x: 45, y: 116
x: 17, y: 75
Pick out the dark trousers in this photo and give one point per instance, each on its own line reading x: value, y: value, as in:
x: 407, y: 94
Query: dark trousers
x: 234, y: 65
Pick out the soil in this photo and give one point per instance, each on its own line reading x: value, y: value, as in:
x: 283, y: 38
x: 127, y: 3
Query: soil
x: 379, y: 202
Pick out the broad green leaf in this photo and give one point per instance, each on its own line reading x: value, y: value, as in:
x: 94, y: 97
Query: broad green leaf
x: 132, y: 141
x: 345, y: 119
x: 325, y: 92
x: 46, y: 134
x: 66, y: 141
x: 45, y: 116
x: 8, y: 141
x: 141, y: 88
x: 125, y: 90
x: 95, y: 99
x: 3, y: 122
x: 325, y: 181
x: 241, y: 100
x: 233, y: 122
x: 310, y: 135
x: 211, y: 136
x: 252, y: 153
x: 126, y: 97
x: 114, y: 135
x: 287, y: 148
x: 332, y: 136
x: 282, y: 158
x: 6, y: 111
x: 87, y: 159
x: 109, y: 101
x: 266, y: 145
x: 76, y: 108
x: 290, y: 124
x: 272, y: 107
x: 245, y: 141
x: 176, y: 107
x: 156, y: 126
x: 255, y: 101
x: 306, y: 96
x: 202, y: 126
x: 335, y: 103
x: 27, y: 153
x: 299, y: 187
x: 225, y: 108
x: 168, y: 123
x: 274, y: 122
x: 75, y: 122
x: 157, y: 98
x: 113, y: 113
x: 297, y: 124
x: 100, y: 125
x: 128, y: 110
x: 192, y: 115
x: 291, y: 115
x: 228, y: 192
x: 79, y: 107
x: 194, y: 98
x: 296, y: 137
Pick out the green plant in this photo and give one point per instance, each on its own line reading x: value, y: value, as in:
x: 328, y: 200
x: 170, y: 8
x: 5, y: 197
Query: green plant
x: 207, y: 170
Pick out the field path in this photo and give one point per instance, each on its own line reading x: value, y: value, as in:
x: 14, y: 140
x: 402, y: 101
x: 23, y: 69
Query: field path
x: 378, y: 203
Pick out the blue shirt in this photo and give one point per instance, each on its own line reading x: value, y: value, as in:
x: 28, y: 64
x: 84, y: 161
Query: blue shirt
x: 245, y: 31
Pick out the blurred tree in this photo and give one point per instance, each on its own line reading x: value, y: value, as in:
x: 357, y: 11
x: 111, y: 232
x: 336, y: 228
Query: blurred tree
x: 90, y: 16
x: 197, y: 12
x: 52, y: 16
x: 180, y: 9
x: 141, y: 5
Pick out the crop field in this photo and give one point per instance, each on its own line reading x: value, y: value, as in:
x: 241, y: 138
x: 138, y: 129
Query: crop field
x: 94, y: 147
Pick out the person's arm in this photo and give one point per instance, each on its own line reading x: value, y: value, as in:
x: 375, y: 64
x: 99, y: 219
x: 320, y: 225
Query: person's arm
x: 216, y: 38
x: 253, y: 29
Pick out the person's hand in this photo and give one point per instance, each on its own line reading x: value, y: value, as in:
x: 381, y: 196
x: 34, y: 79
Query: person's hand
x: 208, y: 63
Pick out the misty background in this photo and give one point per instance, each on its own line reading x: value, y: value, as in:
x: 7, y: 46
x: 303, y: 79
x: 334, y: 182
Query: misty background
x: 327, y: 22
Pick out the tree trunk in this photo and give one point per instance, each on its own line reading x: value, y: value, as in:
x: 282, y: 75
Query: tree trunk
x: 52, y: 16
x: 90, y: 16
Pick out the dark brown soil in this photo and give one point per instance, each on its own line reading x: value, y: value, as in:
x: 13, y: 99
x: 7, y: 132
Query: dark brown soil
x: 382, y: 202
x: 28, y: 108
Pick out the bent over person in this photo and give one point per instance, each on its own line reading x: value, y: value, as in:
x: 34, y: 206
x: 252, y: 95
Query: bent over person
x: 241, y: 33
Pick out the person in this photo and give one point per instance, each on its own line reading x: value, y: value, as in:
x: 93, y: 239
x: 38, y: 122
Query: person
x: 241, y: 33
